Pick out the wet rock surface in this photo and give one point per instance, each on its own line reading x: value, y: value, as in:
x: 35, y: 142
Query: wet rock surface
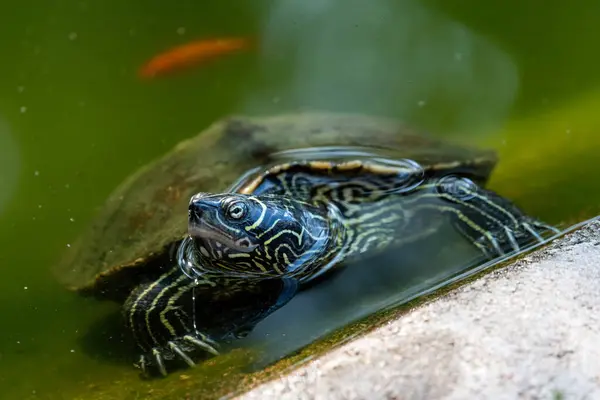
x: 528, y: 331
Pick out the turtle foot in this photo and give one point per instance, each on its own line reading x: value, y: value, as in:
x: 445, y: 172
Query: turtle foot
x: 515, y: 239
x: 177, y: 349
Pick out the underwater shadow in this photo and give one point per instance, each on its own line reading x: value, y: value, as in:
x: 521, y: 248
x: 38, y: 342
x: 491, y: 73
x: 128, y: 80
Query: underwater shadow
x: 108, y: 340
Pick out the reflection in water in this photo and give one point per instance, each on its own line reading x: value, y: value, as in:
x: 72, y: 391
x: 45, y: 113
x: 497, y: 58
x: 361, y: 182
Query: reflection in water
x: 361, y: 290
x: 10, y: 164
x: 436, y: 71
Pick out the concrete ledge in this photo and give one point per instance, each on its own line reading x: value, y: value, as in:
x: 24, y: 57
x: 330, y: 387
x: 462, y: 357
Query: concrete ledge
x: 527, y: 331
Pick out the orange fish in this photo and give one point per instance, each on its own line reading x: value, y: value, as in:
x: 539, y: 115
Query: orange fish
x: 191, y: 54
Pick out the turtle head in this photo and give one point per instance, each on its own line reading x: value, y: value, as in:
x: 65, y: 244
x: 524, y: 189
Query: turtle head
x: 223, y: 223
x: 259, y: 235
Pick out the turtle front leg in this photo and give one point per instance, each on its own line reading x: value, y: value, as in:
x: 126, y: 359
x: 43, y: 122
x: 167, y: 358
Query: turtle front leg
x: 491, y: 222
x: 170, y: 317
x: 160, y: 315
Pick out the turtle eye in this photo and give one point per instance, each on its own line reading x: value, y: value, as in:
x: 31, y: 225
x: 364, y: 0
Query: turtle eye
x: 236, y: 210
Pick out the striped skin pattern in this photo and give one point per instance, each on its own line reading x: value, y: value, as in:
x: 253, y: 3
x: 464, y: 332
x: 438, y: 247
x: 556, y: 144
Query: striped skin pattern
x: 363, y: 200
x: 295, y: 221
x: 373, y: 208
x: 173, y: 317
x: 156, y: 314
x: 270, y: 236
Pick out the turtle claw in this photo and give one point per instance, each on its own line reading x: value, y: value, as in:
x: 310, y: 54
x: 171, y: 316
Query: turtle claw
x: 177, y: 348
x: 539, y: 230
x: 203, y: 342
x: 158, y: 358
x: 532, y: 232
x: 509, y: 240
x: 512, y: 240
x: 179, y: 351
x: 531, y: 225
x: 141, y: 364
x: 159, y: 361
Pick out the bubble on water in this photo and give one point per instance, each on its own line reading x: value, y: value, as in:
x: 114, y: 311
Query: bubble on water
x: 72, y: 350
x: 20, y: 89
x: 181, y: 30
x: 72, y: 35
x: 23, y: 109
x: 68, y: 244
x: 72, y: 219
x: 25, y: 287
x: 36, y: 173
x: 421, y: 103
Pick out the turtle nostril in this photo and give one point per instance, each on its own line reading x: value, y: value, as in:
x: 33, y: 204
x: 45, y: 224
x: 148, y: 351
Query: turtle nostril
x: 200, y: 203
x: 194, y: 213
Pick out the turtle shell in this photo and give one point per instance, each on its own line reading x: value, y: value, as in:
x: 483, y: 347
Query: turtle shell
x: 142, y: 221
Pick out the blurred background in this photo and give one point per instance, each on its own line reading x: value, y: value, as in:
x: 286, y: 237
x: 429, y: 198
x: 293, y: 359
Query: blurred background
x: 76, y: 118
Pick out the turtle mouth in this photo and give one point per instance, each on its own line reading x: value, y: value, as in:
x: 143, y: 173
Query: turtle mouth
x: 206, y: 233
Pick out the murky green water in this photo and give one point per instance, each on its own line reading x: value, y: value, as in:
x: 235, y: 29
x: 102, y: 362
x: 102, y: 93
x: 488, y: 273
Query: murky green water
x: 75, y: 120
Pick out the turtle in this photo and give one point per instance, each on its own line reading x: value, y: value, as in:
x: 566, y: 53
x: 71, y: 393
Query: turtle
x: 141, y: 247
x: 297, y: 220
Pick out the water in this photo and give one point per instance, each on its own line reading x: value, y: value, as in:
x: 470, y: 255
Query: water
x: 75, y: 121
